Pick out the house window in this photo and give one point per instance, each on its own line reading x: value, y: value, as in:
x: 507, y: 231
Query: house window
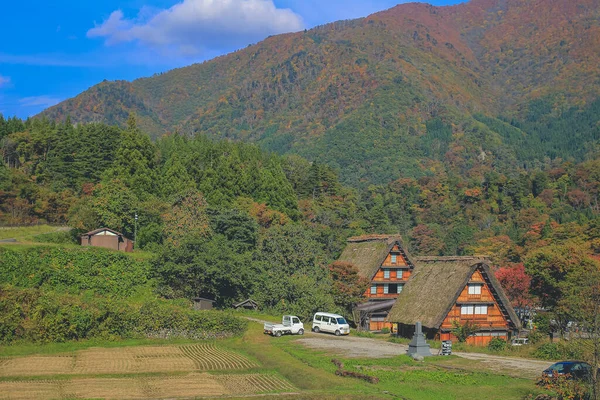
x: 399, y: 274
x: 394, y: 258
x: 481, y: 310
x: 373, y: 289
x: 386, y: 288
x: 393, y: 288
x: 474, y: 289
x: 386, y: 273
x: 400, y: 287
x: 467, y: 310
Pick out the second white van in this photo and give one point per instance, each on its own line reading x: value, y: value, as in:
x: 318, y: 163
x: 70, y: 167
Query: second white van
x: 332, y: 323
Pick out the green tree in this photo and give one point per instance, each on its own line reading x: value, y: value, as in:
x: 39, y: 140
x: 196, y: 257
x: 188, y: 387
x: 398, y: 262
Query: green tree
x: 348, y: 286
x: 112, y: 205
x: 135, y: 161
x: 292, y: 271
x: 206, y: 267
x: 187, y: 219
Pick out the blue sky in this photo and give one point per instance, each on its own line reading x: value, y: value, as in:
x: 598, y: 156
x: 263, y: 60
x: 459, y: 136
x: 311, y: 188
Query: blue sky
x: 51, y: 51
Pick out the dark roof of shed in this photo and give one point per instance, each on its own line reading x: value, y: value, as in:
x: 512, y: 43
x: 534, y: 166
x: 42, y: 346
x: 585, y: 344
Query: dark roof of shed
x: 203, y: 299
x: 245, y: 302
x: 375, y: 305
x: 434, y: 287
x: 368, y: 252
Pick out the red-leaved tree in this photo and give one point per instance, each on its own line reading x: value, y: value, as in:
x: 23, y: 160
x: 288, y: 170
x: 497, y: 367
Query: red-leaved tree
x: 348, y: 286
x: 516, y: 283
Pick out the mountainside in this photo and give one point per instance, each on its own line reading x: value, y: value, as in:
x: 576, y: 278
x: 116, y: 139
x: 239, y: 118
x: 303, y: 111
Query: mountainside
x: 483, y: 84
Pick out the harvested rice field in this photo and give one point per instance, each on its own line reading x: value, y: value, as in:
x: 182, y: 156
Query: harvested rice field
x: 189, y: 385
x: 144, y: 359
x: 177, y: 371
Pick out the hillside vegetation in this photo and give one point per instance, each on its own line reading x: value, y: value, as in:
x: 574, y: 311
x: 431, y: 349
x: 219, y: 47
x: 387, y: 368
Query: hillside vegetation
x: 367, y: 96
x: 229, y: 221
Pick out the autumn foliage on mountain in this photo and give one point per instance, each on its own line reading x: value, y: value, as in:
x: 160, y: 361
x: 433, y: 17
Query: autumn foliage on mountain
x: 478, y: 85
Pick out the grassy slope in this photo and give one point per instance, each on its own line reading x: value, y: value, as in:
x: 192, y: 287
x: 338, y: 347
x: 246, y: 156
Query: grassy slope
x: 313, y: 373
x: 26, y: 237
x: 26, y: 233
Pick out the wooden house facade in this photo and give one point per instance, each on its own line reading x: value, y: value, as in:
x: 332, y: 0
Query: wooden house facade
x: 383, y: 260
x: 443, y: 291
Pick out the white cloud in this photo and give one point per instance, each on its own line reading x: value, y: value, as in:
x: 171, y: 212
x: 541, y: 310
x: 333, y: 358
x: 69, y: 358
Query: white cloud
x: 4, y: 80
x: 192, y: 26
x: 53, y: 60
x: 39, y: 101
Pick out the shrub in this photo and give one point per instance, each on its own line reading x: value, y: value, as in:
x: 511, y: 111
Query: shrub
x: 464, y: 331
x: 74, y: 270
x: 497, y: 344
x: 366, y: 334
x: 385, y: 330
x: 548, y: 351
x: 536, y: 336
x: 61, y: 237
x: 564, y: 387
x: 37, y: 316
x: 559, y: 350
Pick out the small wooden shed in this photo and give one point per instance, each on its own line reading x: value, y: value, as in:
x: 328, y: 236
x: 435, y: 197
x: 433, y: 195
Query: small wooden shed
x: 200, y: 303
x: 107, y: 238
x: 247, y: 304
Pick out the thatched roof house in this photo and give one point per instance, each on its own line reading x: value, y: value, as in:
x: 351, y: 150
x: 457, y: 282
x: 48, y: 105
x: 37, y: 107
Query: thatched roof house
x: 369, y: 252
x: 442, y: 290
x: 384, y: 261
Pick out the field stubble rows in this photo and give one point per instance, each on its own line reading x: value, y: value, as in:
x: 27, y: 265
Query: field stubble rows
x: 144, y: 359
x: 190, y: 385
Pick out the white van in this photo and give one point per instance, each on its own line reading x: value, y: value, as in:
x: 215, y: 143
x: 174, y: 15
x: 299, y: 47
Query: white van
x: 333, y: 323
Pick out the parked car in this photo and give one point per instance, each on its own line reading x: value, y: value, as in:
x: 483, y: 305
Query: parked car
x: 290, y: 324
x: 576, y: 370
x: 332, y: 323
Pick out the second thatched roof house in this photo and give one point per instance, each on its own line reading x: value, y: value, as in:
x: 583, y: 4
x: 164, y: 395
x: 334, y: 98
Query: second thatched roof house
x: 443, y: 291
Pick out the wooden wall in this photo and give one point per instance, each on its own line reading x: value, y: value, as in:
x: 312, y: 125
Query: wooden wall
x: 399, y: 274
x: 379, y: 325
x: 494, y: 320
x: 481, y: 340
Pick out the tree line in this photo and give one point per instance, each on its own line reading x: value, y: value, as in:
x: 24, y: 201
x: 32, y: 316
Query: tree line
x: 229, y: 220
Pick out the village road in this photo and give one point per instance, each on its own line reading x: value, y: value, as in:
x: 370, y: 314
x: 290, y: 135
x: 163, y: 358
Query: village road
x: 358, y: 347
x: 351, y: 346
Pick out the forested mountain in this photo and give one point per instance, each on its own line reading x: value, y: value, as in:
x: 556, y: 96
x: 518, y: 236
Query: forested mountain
x: 488, y: 83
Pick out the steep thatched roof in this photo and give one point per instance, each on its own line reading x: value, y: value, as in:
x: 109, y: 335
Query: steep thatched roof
x: 434, y: 287
x: 368, y: 252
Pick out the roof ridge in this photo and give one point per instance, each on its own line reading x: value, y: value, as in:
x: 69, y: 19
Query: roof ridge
x: 373, y: 237
x: 450, y: 258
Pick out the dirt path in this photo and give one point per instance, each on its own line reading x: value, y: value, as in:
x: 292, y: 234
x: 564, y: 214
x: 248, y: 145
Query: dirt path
x: 524, y: 366
x: 350, y: 346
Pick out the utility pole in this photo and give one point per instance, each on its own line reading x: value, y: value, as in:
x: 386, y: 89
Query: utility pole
x: 135, y: 230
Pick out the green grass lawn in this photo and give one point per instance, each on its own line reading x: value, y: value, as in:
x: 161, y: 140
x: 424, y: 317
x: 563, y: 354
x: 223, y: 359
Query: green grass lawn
x: 436, y: 378
x: 25, y: 233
